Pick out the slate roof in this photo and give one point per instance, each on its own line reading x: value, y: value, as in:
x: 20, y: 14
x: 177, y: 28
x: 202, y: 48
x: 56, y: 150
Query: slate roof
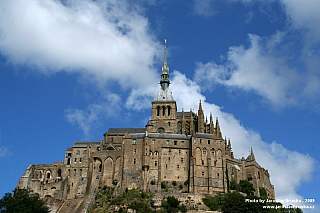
x: 126, y: 130
x: 164, y: 96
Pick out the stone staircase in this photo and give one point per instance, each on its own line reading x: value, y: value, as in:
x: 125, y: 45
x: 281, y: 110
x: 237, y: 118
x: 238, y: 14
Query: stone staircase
x: 94, y: 191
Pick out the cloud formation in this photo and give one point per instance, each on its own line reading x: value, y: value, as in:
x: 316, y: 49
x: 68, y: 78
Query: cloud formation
x: 281, y: 68
x: 97, y: 39
x: 95, y: 113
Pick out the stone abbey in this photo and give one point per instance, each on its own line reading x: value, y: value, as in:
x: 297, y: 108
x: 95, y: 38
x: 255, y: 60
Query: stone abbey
x: 181, y: 147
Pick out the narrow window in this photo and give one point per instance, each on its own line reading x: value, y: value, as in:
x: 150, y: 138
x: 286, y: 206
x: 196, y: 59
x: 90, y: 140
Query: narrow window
x: 202, y: 162
x: 182, y: 143
x: 80, y: 160
x: 153, y: 141
x: 169, y: 159
x: 134, y: 141
x: 75, y: 160
x: 158, y: 110
x: 215, y: 163
x: 181, y: 160
x: 59, y: 173
x: 202, y: 174
x: 194, y: 140
x: 163, y: 111
x: 134, y: 161
x: 218, y: 175
x: 155, y: 163
x: 168, y: 142
x: 208, y: 141
x: 80, y: 172
x: 135, y: 151
x: 179, y: 151
x: 200, y: 140
x: 178, y: 166
x: 48, y: 175
x: 74, y: 172
x: 169, y: 111
x: 175, y: 143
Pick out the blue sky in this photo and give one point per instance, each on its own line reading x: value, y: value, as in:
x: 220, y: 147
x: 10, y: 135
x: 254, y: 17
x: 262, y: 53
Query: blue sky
x: 72, y: 69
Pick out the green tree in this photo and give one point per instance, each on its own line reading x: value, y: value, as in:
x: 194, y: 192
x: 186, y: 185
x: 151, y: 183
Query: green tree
x: 171, y: 204
x: 214, y: 203
x: 22, y: 201
x: 246, y: 187
x: 234, y: 203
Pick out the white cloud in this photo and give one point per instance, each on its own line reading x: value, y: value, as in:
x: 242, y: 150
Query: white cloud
x: 98, y: 39
x: 3, y: 150
x: 94, y: 113
x: 203, y: 8
x: 288, y: 169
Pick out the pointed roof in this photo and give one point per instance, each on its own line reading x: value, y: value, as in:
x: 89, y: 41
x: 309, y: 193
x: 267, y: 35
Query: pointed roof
x: 164, y: 94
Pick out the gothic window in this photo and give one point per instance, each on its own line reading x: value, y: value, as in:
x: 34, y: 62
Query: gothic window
x: 160, y: 130
x: 169, y: 110
x: 163, y: 110
x: 204, y: 151
x: 59, y: 173
x: 212, y: 151
x: 134, y: 141
x: 48, y: 175
x: 158, y: 110
x: 259, y: 175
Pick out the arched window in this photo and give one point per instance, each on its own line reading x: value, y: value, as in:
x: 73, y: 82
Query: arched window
x: 204, y: 151
x: 59, y: 173
x: 48, y: 175
x: 169, y: 110
x: 163, y: 110
x: 158, y: 111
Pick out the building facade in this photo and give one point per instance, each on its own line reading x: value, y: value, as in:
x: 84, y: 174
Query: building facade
x: 174, y: 147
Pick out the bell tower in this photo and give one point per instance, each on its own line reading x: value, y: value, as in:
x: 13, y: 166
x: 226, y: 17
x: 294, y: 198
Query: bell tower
x: 164, y: 107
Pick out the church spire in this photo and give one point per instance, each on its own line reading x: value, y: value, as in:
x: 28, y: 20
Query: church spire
x: 165, y: 69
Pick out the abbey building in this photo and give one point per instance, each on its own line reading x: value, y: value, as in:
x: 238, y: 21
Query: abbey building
x: 181, y: 147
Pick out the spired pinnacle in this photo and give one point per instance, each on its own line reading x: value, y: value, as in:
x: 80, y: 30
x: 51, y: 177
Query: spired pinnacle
x: 165, y: 69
